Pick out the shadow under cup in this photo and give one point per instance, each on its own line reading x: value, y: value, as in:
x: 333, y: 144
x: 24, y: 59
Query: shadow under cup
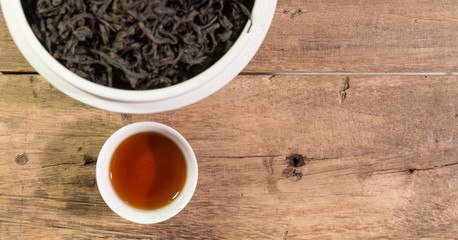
x: 114, y: 201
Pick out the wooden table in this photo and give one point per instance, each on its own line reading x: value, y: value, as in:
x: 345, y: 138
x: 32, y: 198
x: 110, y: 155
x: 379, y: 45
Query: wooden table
x: 364, y: 92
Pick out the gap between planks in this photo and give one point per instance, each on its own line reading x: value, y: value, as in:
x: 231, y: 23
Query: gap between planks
x: 354, y: 73
x: 315, y: 73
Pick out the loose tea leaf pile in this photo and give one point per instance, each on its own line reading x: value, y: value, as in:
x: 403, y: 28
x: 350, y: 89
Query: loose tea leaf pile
x: 137, y: 44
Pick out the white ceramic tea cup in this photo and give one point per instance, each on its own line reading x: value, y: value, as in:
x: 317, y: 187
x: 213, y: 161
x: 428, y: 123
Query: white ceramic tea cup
x: 112, y: 199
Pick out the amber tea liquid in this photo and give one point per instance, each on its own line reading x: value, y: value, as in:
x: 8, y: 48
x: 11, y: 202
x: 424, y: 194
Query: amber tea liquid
x: 148, y: 170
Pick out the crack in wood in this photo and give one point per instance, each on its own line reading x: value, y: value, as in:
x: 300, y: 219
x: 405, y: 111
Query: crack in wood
x: 296, y: 13
x: 58, y: 165
x: 89, y: 159
x: 18, y: 73
x: 253, y: 156
x: 393, y: 170
x: 293, y: 14
x: 411, y: 170
x: 321, y: 159
x: 271, y: 77
x: 345, y: 85
x: 47, y: 197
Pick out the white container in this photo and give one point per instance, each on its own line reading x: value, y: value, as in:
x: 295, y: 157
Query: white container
x: 112, y: 199
x: 140, y: 101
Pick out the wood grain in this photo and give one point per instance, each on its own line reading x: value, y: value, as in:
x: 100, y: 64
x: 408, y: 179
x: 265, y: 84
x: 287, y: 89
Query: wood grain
x: 380, y: 153
x: 340, y: 36
x: 361, y: 36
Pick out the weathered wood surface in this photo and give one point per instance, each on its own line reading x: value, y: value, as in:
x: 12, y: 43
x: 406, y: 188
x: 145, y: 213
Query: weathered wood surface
x: 381, y: 161
x: 380, y: 151
x: 341, y: 36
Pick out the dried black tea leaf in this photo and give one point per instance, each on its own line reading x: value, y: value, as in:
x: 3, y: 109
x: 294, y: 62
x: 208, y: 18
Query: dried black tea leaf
x: 132, y: 44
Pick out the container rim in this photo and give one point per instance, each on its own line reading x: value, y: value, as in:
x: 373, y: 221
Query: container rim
x: 140, y: 101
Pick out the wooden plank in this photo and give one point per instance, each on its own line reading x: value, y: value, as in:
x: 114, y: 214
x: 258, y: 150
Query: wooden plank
x: 341, y: 36
x: 361, y: 36
x: 11, y: 58
x: 381, y: 161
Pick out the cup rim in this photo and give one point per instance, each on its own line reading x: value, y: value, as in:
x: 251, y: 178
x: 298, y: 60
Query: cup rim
x: 112, y: 199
